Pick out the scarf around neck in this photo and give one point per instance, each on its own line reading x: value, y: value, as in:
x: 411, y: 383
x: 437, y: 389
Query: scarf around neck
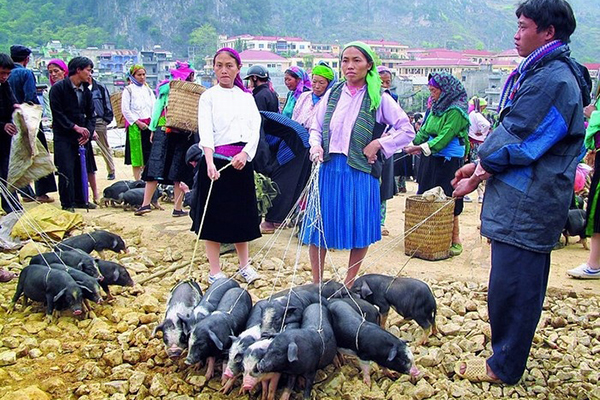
x: 514, y: 79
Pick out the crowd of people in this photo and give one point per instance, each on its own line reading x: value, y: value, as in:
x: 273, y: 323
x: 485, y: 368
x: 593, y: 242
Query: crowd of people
x: 353, y: 127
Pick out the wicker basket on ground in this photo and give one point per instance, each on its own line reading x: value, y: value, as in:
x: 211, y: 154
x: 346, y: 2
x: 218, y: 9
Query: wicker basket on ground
x: 182, y: 110
x: 115, y: 102
x: 428, y: 228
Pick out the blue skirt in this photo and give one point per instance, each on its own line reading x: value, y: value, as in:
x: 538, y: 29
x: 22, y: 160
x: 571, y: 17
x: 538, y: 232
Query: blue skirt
x: 349, y: 207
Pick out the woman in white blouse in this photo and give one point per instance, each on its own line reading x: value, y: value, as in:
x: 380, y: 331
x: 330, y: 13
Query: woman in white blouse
x: 136, y: 104
x: 229, y: 128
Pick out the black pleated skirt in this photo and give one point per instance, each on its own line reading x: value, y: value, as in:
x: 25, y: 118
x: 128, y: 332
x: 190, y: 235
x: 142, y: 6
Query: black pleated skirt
x: 232, y: 213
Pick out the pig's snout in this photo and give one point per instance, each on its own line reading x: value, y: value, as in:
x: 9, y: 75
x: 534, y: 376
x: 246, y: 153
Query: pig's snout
x: 414, y: 371
x: 101, y: 278
x: 249, y: 382
x: 228, y: 373
x: 174, y: 351
x: 77, y: 312
x: 188, y: 362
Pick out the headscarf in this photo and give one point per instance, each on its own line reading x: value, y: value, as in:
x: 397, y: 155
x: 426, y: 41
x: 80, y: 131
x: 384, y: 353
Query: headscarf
x: 382, y: 68
x: 324, y: 70
x: 60, y: 64
x: 301, y: 74
x: 233, y: 53
x: 181, y: 72
x: 135, y: 68
x: 373, y: 80
x: 453, y: 94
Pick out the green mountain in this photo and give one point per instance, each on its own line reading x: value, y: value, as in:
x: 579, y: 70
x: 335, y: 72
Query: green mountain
x: 177, y: 24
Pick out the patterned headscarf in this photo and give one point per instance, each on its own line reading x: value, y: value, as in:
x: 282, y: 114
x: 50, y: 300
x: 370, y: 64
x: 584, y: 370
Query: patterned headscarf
x: 233, y: 53
x: 453, y: 96
x: 373, y: 80
x: 60, y: 64
x: 135, y: 68
x: 301, y: 74
x: 383, y: 69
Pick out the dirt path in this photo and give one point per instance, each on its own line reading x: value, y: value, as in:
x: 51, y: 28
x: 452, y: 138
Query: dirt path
x: 386, y: 256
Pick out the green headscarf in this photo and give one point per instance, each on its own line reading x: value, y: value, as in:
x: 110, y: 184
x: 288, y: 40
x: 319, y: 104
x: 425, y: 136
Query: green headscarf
x: 324, y: 71
x: 372, y: 78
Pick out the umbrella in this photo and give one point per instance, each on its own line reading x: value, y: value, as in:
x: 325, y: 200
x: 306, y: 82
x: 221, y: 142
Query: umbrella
x: 84, y: 176
x: 294, y: 135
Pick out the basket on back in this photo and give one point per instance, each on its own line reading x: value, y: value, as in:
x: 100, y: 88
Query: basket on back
x: 115, y: 102
x: 182, y: 110
x: 428, y: 228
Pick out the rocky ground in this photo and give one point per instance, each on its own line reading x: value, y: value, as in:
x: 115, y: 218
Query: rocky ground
x: 112, y: 354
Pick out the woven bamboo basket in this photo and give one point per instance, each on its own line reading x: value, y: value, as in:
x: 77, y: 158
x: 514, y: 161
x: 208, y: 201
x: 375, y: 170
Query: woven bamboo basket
x: 115, y: 102
x: 432, y: 238
x: 182, y: 111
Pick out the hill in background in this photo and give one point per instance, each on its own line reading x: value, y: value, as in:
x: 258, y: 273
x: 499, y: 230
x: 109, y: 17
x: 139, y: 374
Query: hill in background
x: 455, y: 24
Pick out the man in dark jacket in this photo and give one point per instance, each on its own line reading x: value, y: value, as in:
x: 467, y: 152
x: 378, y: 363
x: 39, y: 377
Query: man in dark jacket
x: 22, y: 83
x: 8, y: 102
x: 104, y: 116
x: 529, y: 161
x: 264, y: 96
x: 73, y: 124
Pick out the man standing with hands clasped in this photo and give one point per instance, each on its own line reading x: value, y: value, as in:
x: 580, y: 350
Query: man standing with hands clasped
x: 529, y: 163
x: 73, y: 124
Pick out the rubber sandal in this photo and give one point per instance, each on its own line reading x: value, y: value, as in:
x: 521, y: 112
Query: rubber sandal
x: 267, y: 229
x: 456, y: 249
x: 384, y: 231
x: 475, y: 371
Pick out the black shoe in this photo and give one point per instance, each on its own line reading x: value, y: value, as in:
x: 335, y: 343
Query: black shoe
x: 111, y: 176
x: 142, y: 210
x: 69, y: 209
x: 179, y: 213
x: 90, y: 206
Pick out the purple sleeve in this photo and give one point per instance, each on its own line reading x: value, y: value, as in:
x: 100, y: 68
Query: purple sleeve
x: 401, y: 131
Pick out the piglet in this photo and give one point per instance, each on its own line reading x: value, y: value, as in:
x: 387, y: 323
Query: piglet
x: 251, y: 334
x: 209, y: 301
x: 90, y: 288
x: 73, y: 258
x: 182, y: 300
x: 114, y: 274
x: 212, y: 335
x: 369, y: 342
x: 99, y: 240
x: 54, y: 287
x: 411, y: 298
x: 286, y: 308
x: 134, y: 198
x: 301, y: 352
x: 112, y: 192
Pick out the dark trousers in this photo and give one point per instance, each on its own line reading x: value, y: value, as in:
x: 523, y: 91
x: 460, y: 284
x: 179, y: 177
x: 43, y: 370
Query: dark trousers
x: 70, y: 187
x: 517, y: 288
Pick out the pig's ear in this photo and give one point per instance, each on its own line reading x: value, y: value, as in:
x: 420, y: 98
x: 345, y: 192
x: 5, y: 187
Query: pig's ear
x: 159, y: 327
x: 292, y: 352
x: 59, y: 295
x: 215, y: 340
x: 365, y: 290
x: 86, y: 288
x: 186, y: 322
x: 393, y: 353
x: 116, y: 274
